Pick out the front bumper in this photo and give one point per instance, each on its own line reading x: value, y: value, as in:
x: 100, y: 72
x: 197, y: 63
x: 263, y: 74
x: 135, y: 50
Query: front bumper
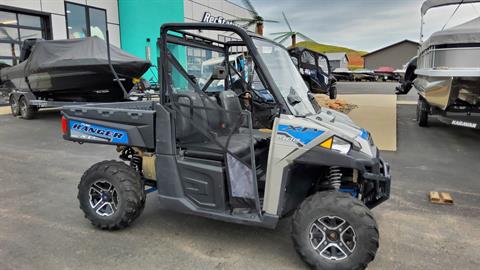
x: 377, y: 184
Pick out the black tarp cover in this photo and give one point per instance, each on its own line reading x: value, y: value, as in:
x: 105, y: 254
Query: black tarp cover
x: 76, y: 54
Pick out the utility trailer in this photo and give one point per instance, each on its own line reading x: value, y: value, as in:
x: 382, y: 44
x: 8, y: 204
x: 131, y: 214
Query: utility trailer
x: 199, y: 150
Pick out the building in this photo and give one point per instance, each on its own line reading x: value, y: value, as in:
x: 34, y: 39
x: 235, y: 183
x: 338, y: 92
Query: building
x: 395, y: 55
x: 132, y: 25
x: 54, y: 19
x: 140, y: 22
x: 337, y: 60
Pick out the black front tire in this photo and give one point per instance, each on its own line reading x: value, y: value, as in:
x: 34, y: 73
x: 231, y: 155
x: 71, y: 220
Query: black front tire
x: 14, y: 107
x: 423, y: 109
x: 353, y: 212
x: 26, y: 111
x: 129, y: 195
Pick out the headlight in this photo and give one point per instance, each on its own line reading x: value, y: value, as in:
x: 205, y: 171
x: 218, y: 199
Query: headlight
x: 341, y: 145
x: 337, y: 144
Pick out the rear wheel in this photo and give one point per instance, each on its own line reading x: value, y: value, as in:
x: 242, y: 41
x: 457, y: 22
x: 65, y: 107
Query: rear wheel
x: 332, y: 230
x: 14, y: 106
x: 422, y: 112
x: 26, y: 111
x: 111, y: 194
x: 332, y: 92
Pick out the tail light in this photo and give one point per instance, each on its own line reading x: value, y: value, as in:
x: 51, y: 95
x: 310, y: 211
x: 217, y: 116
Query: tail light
x: 64, y: 125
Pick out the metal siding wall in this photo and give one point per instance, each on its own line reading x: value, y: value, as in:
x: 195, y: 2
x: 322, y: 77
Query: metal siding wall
x: 395, y: 57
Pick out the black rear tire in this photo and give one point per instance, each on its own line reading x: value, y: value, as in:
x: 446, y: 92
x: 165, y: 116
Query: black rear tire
x: 423, y: 109
x: 14, y: 106
x: 26, y: 111
x: 332, y: 92
x: 123, y: 203
x: 357, y: 218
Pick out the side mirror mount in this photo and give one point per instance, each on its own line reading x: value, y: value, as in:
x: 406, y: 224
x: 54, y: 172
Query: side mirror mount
x: 293, y: 98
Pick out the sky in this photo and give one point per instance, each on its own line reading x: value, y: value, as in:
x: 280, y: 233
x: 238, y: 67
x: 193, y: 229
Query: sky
x: 359, y: 24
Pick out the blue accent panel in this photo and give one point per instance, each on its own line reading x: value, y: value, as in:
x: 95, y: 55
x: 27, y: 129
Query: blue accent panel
x: 352, y: 191
x: 364, y: 134
x: 302, y: 134
x: 150, y: 190
x: 265, y: 94
x: 95, y: 132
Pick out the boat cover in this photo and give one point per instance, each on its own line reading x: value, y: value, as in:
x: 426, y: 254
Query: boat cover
x: 440, y: 3
x: 384, y: 70
x: 73, y: 54
x: 468, y: 32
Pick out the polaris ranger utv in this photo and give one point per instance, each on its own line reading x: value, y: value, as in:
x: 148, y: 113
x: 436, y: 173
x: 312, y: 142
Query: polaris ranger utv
x: 199, y: 149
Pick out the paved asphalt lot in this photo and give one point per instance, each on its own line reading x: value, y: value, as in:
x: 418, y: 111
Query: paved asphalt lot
x: 41, y: 226
x: 379, y: 88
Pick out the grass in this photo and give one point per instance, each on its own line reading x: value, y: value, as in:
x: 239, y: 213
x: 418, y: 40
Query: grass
x: 355, y: 59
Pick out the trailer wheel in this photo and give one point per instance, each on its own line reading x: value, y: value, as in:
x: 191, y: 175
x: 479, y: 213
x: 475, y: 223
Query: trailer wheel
x: 111, y: 194
x: 422, y: 112
x: 332, y: 230
x: 14, y: 106
x: 26, y: 111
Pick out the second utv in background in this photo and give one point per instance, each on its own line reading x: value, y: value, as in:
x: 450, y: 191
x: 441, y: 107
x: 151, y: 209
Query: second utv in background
x: 315, y: 70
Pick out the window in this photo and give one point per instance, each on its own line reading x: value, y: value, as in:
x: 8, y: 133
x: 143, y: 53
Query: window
x: 98, y: 24
x: 308, y: 58
x: 323, y: 64
x: 15, y: 27
x: 84, y: 21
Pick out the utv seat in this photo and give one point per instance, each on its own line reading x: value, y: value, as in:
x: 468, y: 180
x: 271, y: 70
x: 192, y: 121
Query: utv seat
x: 213, y: 118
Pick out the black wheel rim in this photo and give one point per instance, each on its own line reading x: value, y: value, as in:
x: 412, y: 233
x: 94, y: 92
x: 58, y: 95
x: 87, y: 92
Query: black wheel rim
x: 103, y: 198
x: 333, y: 238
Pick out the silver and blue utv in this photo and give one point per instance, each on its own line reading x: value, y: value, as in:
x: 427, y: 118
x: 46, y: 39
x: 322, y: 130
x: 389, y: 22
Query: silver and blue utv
x: 240, y: 141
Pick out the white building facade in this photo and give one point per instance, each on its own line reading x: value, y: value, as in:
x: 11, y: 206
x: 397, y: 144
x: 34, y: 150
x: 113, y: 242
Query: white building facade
x: 54, y: 19
x: 130, y: 23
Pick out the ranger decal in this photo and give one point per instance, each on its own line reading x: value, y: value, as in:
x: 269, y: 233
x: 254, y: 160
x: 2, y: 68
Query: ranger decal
x: 81, y: 130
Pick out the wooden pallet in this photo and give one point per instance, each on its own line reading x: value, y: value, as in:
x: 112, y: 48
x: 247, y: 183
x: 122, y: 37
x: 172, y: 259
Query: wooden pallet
x: 440, y: 197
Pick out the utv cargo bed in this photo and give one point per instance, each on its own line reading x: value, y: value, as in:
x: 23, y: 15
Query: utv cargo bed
x: 121, y: 123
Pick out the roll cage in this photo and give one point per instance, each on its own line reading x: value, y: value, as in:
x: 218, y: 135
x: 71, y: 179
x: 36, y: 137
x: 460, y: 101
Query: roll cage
x: 298, y: 52
x: 177, y: 33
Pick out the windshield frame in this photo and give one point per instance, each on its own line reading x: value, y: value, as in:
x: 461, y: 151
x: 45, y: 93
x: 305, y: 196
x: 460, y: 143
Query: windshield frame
x: 293, y: 108
x: 175, y: 33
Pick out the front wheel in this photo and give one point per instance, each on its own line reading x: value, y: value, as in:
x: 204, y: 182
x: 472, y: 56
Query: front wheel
x: 111, y: 194
x: 332, y: 230
x: 332, y: 92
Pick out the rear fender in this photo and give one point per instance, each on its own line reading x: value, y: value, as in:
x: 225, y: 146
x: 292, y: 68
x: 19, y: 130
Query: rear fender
x: 103, y: 132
